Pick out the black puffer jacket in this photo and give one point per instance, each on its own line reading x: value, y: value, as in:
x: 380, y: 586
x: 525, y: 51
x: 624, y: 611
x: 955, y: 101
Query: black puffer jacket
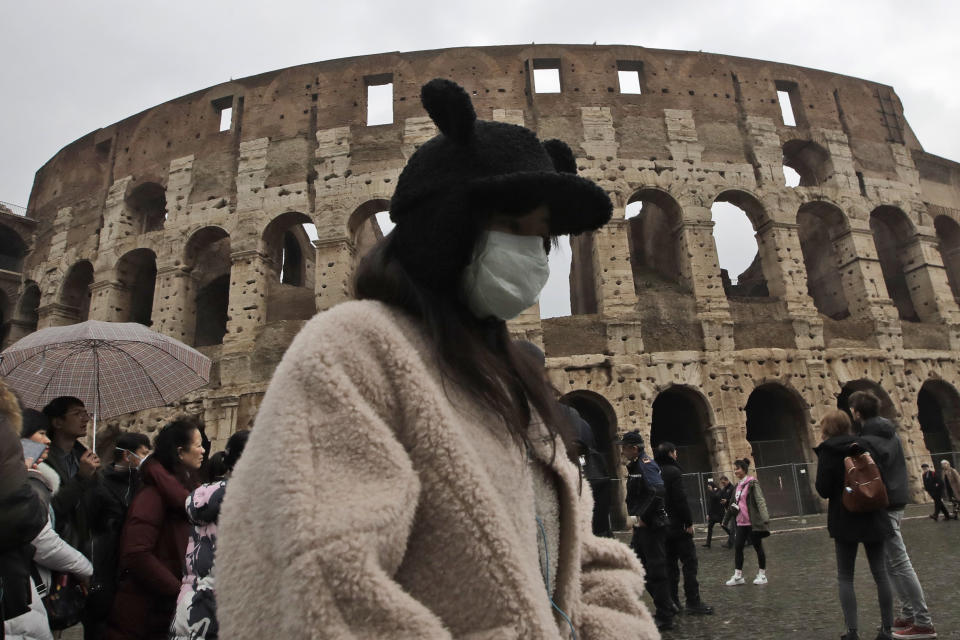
x: 676, y: 496
x: 842, y: 524
x: 644, y: 500
x: 881, y: 435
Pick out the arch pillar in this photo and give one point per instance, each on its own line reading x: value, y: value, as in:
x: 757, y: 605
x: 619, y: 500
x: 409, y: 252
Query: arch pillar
x: 927, y: 280
x: 700, y: 268
x: 613, y: 272
x: 174, y: 307
x: 55, y: 314
x: 334, y: 273
x: 107, y: 298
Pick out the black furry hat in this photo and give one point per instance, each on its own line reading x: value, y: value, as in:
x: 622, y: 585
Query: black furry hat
x: 474, y: 166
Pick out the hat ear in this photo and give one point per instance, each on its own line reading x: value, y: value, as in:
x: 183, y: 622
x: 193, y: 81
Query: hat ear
x: 450, y: 108
x: 561, y: 156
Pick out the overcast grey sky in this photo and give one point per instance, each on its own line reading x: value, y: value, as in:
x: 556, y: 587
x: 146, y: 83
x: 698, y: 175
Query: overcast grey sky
x: 70, y: 67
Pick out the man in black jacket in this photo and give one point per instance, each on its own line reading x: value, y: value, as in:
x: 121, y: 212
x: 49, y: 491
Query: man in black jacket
x: 934, y: 487
x: 645, y: 508
x: 914, y: 620
x: 680, y: 547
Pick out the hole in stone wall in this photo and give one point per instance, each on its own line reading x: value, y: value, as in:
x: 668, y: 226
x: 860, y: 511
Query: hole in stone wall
x: 546, y: 75
x: 738, y: 253
x: 75, y: 293
x: 137, y: 273
x: 288, y: 242
x: 583, y: 292
x: 820, y: 224
x: 948, y: 233
x: 653, y: 221
x: 226, y: 119
x: 12, y: 249
x: 367, y: 226
x: 213, y: 301
x: 207, y: 256
x: 630, y: 75
x: 790, y: 176
x: 147, y: 205
x: 787, y: 97
x: 28, y: 307
x: 681, y: 416
x: 807, y: 161
x: 892, y: 234
x: 379, y: 99
x: 223, y: 107
x: 938, y: 412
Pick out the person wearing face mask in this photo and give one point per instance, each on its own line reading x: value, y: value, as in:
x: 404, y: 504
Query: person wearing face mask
x: 107, y: 508
x: 154, y: 536
x: 434, y: 498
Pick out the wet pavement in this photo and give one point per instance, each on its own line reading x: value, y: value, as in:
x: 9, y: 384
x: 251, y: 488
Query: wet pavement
x: 801, y: 600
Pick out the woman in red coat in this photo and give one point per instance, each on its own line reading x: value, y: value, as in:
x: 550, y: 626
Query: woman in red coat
x: 155, y: 534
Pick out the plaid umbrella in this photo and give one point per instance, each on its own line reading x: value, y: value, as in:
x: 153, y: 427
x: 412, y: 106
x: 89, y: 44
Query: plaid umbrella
x: 113, y: 367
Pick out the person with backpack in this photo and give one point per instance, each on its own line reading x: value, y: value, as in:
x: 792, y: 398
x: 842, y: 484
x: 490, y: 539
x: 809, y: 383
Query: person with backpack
x: 914, y: 620
x: 934, y: 488
x: 750, y: 517
x: 850, y: 529
x: 646, y: 511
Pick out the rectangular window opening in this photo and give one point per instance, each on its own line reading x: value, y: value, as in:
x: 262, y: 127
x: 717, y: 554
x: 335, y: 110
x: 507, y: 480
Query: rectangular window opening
x: 630, y: 74
x: 224, y: 110
x: 546, y: 75
x: 379, y: 99
x: 226, y: 119
x: 786, y: 91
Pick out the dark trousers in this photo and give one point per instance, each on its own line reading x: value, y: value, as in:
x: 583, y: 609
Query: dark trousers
x: 743, y: 534
x: 650, y: 545
x: 602, y: 491
x: 938, y: 506
x: 710, y: 525
x: 680, y: 548
x: 846, y: 563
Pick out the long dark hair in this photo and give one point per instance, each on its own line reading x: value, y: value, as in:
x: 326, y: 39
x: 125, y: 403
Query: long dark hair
x: 477, y: 355
x: 175, y: 435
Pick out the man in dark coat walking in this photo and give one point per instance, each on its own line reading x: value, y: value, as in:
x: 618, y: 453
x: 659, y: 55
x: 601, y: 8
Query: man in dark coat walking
x: 881, y: 436
x: 647, y: 515
x: 680, y: 547
x: 934, y: 487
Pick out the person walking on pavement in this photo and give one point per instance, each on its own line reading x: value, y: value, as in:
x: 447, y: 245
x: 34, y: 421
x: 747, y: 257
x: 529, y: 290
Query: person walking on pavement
x: 933, y: 485
x: 752, y: 521
x: 679, y: 545
x: 726, y: 499
x: 714, y: 509
x: 914, y: 620
x: 849, y: 529
x: 646, y: 512
x: 950, y: 479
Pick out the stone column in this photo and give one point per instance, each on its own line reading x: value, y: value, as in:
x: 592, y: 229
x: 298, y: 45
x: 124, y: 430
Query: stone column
x: 927, y: 280
x: 109, y: 301
x: 334, y: 271
x: 247, y: 310
x: 55, y: 314
x: 174, y: 304
x: 700, y: 268
x: 612, y: 270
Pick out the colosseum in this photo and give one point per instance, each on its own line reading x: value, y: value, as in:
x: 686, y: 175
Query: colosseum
x: 194, y: 217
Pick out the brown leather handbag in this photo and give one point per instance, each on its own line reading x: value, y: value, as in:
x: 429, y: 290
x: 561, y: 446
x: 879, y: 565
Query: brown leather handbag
x: 863, y: 488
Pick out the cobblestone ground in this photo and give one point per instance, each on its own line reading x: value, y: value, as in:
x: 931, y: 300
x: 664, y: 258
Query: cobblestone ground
x: 801, y: 599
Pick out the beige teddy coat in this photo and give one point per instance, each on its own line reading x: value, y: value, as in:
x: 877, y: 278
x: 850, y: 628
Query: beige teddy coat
x: 374, y: 501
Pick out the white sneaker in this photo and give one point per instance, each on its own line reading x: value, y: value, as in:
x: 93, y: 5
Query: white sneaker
x: 760, y: 579
x: 734, y: 581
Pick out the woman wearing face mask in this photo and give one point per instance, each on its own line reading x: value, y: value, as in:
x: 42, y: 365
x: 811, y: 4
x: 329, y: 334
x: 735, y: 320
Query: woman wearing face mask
x: 154, y: 537
x: 432, y: 496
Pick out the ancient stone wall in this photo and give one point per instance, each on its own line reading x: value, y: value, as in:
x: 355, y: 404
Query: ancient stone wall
x: 165, y: 219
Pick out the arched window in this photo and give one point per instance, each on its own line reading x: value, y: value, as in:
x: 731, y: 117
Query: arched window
x: 208, y: 257
x: 948, y: 233
x: 887, y: 408
x: 736, y: 218
x: 820, y: 223
x: 28, y: 307
x: 368, y: 224
x: 938, y: 411
x: 137, y: 272
x: 892, y: 233
x: 682, y: 416
x: 75, y: 292
x: 653, y: 225
x: 808, y: 161
x: 12, y: 249
x: 147, y: 204
x: 776, y: 425
x: 288, y: 245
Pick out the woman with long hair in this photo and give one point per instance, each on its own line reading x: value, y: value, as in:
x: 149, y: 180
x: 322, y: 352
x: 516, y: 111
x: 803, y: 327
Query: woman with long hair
x: 424, y: 491
x: 849, y: 530
x: 751, y: 521
x: 154, y: 537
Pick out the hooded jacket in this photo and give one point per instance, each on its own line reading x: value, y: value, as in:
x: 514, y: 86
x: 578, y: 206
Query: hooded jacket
x: 842, y: 524
x: 152, y: 548
x: 676, y: 499
x: 410, y: 513
x: 24, y: 514
x: 881, y: 435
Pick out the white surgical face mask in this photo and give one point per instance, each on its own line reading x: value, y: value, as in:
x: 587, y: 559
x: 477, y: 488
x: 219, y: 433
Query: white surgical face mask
x: 506, y: 276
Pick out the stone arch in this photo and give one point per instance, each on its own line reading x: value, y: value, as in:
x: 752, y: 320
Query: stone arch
x: 12, y: 249
x: 207, y: 256
x: 777, y: 419
x: 653, y: 232
x: 147, y: 207
x: 752, y: 282
x: 810, y: 160
x: 682, y: 415
x: 363, y: 227
x: 6, y: 312
x: 75, y: 292
x: 137, y: 275
x: 602, y: 418
x: 292, y: 258
x: 893, y: 233
x: 820, y: 225
x: 938, y: 412
x: 887, y: 409
x: 948, y: 234
x: 27, y: 311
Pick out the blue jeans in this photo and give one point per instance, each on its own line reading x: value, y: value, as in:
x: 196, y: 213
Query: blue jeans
x: 902, y: 576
